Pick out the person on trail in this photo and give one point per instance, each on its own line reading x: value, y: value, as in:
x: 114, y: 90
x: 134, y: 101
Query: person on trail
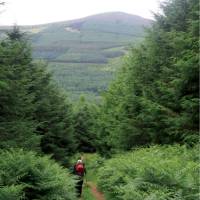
x: 80, y: 171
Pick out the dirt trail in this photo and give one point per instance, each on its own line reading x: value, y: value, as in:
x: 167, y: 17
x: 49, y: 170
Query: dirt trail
x: 98, y: 195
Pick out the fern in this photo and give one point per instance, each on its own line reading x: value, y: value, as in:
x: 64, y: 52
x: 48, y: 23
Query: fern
x: 26, y: 175
x: 155, y: 173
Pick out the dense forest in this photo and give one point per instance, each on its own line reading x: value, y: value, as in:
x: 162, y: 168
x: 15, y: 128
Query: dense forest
x: 145, y: 130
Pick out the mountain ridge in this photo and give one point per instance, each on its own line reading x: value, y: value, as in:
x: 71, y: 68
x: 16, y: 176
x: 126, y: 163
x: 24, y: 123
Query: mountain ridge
x: 84, y: 53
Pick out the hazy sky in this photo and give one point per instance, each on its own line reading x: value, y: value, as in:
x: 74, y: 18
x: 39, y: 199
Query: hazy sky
x: 24, y: 12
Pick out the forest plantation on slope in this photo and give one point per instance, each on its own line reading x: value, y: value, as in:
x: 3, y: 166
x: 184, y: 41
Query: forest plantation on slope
x: 83, y: 54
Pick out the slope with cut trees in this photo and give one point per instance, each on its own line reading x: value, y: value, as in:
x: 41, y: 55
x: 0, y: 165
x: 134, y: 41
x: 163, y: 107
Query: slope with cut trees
x: 83, y: 54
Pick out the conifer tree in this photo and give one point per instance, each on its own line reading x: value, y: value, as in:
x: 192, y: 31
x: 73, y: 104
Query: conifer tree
x: 17, y: 126
x: 84, y: 120
x: 34, y: 112
x: 155, y: 98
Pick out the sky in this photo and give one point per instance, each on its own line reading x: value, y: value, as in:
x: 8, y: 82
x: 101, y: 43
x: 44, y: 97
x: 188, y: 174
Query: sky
x: 30, y: 12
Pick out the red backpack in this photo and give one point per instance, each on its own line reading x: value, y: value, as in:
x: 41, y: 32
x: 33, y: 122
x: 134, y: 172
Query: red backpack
x: 79, y: 169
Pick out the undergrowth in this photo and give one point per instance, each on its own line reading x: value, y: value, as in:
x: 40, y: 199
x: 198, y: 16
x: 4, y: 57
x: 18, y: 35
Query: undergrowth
x: 155, y: 173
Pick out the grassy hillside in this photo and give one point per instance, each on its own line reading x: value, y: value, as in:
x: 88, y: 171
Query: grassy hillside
x: 80, y: 51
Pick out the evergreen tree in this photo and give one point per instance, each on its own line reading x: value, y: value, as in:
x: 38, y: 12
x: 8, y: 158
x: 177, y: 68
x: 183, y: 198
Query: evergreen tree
x: 53, y: 113
x: 84, y: 120
x: 17, y: 126
x: 155, y: 98
x: 34, y: 112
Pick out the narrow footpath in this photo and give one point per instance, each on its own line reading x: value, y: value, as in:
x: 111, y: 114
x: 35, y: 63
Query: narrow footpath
x: 97, y: 195
x: 90, y: 190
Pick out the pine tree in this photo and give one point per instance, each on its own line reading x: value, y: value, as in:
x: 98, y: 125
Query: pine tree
x: 84, y: 120
x: 34, y: 112
x: 17, y: 126
x: 155, y: 97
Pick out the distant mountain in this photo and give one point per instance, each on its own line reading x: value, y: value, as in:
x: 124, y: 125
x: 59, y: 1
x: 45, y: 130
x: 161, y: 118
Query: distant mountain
x: 78, y: 50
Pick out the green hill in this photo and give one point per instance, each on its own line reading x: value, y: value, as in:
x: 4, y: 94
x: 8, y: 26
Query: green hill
x: 80, y: 52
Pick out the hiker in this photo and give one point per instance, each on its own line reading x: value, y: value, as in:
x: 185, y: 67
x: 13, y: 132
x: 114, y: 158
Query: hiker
x: 80, y: 171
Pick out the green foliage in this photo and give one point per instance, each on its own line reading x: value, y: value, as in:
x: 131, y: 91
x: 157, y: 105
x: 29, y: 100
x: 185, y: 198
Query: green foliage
x: 54, y: 115
x: 154, y: 100
x: 11, y: 192
x: 24, y: 175
x: 156, y: 173
x: 84, y: 120
x: 17, y: 127
x: 34, y: 113
x: 156, y: 95
x: 93, y: 162
x: 87, y: 195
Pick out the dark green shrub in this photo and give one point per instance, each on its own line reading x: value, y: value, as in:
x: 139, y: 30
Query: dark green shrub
x: 24, y: 175
x: 156, y: 173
